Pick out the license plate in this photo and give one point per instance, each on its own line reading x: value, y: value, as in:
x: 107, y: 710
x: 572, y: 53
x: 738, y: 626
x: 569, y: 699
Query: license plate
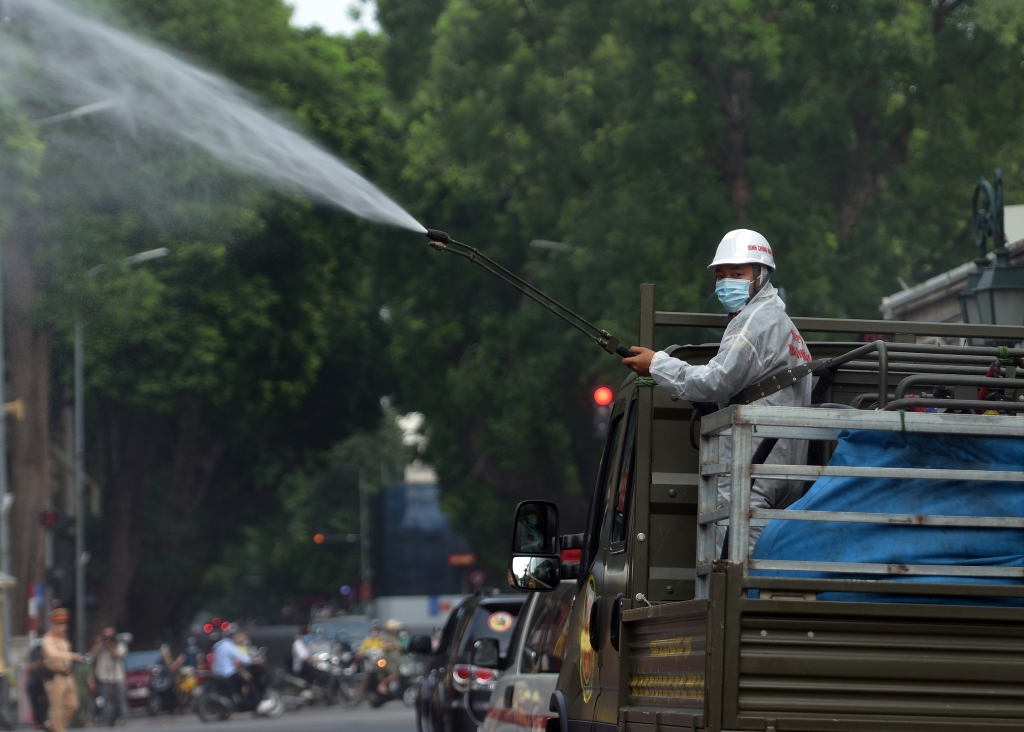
x: 140, y: 693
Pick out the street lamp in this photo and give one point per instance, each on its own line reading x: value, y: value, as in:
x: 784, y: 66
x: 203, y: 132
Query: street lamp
x: 994, y: 292
x: 81, y: 555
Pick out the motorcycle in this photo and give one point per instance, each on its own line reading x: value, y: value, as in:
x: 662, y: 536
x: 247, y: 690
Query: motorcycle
x: 216, y: 699
x: 350, y: 680
x: 404, y: 687
x: 189, y: 679
x: 322, y: 686
x: 162, y: 691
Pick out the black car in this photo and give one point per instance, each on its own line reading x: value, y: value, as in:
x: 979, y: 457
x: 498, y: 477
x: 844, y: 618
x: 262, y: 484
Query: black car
x: 455, y: 692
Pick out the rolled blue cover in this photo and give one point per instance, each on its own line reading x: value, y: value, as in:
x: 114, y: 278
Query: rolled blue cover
x: 830, y: 541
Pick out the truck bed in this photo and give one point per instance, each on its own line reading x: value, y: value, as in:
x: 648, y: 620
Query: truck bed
x: 792, y: 664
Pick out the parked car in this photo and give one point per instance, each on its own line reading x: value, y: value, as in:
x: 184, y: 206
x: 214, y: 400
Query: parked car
x: 521, y: 698
x: 459, y: 675
x: 138, y: 676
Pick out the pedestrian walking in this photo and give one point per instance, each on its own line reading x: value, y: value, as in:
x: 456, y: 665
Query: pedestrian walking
x: 85, y: 686
x: 57, y: 659
x: 36, y: 674
x: 109, y: 653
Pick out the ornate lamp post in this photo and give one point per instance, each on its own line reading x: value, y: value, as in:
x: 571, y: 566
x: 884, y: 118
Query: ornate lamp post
x: 994, y: 292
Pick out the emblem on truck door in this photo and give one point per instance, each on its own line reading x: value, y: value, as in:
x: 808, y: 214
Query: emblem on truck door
x: 587, y: 660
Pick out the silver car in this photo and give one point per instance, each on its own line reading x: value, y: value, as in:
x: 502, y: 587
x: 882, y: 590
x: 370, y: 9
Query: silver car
x: 521, y: 697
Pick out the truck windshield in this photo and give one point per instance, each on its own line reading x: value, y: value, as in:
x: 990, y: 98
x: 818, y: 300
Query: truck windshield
x: 611, y: 448
x: 624, y: 484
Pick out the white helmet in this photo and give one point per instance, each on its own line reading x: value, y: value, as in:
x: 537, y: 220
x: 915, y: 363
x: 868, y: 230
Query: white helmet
x: 743, y: 246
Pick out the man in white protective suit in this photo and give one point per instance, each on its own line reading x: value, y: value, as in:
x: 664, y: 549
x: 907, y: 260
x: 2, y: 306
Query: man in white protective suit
x: 758, y: 340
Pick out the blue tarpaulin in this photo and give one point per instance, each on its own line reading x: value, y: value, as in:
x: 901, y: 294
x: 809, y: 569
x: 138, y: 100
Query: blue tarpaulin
x: 828, y: 541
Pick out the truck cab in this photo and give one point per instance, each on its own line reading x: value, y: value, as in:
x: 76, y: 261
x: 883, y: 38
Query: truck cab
x: 665, y: 635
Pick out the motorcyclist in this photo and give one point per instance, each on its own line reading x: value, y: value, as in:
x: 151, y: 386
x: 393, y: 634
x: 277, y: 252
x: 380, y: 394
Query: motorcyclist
x: 758, y: 340
x: 232, y: 660
x: 317, y: 642
x: 393, y: 652
x: 192, y: 653
x: 372, y: 641
x: 301, y: 656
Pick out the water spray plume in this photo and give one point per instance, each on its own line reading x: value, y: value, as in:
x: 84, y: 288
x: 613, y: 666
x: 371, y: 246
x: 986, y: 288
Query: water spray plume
x: 149, y: 87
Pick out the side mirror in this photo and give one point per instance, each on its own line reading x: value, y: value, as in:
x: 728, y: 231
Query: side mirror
x: 536, y: 528
x: 485, y: 652
x: 535, y: 563
x: 421, y: 645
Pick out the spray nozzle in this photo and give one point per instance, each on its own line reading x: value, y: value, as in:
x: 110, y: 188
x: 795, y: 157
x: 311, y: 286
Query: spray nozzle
x: 440, y: 240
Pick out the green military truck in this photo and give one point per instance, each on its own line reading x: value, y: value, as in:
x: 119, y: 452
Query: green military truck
x: 665, y: 637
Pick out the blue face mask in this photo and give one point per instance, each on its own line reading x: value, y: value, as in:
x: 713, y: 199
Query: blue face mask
x: 733, y: 294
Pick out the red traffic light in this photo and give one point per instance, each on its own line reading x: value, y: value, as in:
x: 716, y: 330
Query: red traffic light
x: 49, y: 518
x: 603, y: 396
x: 225, y: 625
x: 208, y: 628
x: 319, y: 538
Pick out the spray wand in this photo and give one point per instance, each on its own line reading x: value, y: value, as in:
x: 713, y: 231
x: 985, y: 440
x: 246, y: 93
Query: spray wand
x: 440, y: 241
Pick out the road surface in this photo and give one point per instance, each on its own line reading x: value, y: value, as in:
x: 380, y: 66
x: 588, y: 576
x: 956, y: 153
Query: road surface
x: 392, y: 717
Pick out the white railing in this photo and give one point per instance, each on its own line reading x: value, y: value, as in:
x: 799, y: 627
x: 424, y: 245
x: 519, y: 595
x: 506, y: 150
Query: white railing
x: 745, y: 422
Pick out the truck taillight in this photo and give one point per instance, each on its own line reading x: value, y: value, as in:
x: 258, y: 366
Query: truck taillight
x: 465, y: 676
x: 461, y: 674
x: 484, y: 675
x: 571, y: 555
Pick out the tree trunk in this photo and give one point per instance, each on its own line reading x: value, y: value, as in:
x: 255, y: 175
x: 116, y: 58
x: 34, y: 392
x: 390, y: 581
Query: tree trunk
x: 731, y: 156
x: 133, y: 442
x: 196, y: 459
x: 133, y: 437
x: 28, y: 365
x: 866, y: 176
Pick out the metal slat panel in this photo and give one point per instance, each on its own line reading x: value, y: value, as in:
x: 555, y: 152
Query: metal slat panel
x: 842, y: 325
x: 850, y: 671
x: 900, y: 519
x: 672, y: 573
x: 713, y: 516
x: 925, y: 570
x: 675, y: 478
x: 667, y: 655
x: 857, y: 419
x: 813, y: 472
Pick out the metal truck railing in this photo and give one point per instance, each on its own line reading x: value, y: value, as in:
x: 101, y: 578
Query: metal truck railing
x: 745, y: 422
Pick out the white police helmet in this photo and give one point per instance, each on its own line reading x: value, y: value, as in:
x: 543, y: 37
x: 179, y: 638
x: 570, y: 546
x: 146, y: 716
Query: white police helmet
x: 743, y: 246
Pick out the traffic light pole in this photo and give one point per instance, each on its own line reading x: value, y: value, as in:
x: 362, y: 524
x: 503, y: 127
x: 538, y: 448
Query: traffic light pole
x: 5, y: 526
x: 80, y: 556
x: 365, y: 577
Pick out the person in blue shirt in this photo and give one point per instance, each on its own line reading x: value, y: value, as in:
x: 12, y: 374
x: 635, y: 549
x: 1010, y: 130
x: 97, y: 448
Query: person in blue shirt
x: 191, y: 653
x: 232, y: 661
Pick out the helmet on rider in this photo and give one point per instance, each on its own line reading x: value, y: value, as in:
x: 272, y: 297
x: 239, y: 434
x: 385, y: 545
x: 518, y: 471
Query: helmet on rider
x: 393, y: 626
x: 738, y: 249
